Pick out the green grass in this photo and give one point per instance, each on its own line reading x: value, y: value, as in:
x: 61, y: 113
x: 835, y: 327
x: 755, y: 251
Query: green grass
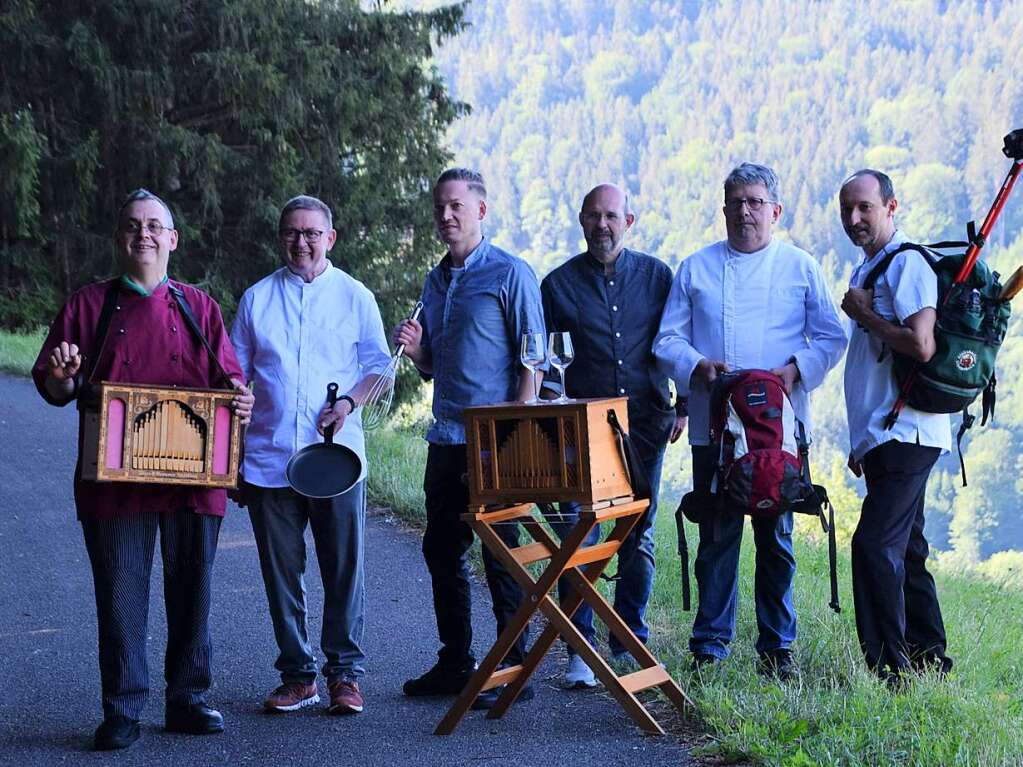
x: 835, y: 713
x: 18, y: 351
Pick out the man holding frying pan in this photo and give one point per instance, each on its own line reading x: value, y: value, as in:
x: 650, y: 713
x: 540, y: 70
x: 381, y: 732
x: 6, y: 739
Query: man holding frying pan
x: 305, y: 327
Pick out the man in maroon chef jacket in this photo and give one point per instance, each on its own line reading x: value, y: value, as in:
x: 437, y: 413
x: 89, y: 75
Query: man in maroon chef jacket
x: 146, y: 341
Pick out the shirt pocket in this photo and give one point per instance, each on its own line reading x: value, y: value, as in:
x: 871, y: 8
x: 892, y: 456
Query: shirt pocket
x: 787, y: 307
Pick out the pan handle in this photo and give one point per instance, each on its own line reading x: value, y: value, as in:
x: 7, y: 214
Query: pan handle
x: 328, y: 433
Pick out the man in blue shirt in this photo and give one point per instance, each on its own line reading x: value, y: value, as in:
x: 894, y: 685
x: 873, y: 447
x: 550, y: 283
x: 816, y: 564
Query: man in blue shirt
x: 477, y: 304
x: 610, y: 300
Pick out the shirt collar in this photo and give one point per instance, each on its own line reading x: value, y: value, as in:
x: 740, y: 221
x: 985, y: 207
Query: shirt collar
x: 130, y: 284
x: 731, y: 252
x: 320, y: 279
x: 478, y: 254
x: 897, y: 239
x: 622, y: 264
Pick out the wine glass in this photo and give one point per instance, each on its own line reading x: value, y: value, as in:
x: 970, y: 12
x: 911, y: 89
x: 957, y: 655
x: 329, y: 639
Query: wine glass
x: 533, y: 356
x: 561, y: 354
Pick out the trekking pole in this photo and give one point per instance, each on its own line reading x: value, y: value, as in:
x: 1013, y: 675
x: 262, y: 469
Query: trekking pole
x: 1013, y: 149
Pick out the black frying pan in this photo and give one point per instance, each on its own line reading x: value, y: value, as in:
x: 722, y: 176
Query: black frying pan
x: 324, y: 470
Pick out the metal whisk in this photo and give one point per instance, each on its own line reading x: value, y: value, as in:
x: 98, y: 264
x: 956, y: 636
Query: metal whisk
x: 378, y: 401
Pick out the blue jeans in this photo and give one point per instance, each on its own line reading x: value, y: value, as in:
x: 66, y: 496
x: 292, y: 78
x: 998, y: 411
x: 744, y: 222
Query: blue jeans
x: 717, y: 574
x: 635, y: 557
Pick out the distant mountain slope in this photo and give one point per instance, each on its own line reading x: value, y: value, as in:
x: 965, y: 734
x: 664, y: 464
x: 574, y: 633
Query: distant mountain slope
x: 666, y: 97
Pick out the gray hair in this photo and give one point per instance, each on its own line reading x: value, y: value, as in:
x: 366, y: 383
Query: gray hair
x: 883, y: 181
x: 144, y: 194
x: 307, y: 202
x: 748, y: 174
x: 473, y: 178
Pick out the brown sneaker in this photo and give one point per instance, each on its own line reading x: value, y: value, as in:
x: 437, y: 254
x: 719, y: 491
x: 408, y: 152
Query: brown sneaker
x: 345, y: 697
x: 291, y: 696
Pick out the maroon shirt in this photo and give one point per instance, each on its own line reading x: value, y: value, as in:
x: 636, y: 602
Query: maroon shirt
x: 147, y: 342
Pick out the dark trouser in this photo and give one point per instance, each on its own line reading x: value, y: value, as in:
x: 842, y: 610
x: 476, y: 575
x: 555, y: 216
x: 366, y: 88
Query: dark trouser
x: 445, y: 544
x: 898, y: 619
x: 635, y: 557
x: 279, y: 519
x: 121, y: 552
x: 717, y: 574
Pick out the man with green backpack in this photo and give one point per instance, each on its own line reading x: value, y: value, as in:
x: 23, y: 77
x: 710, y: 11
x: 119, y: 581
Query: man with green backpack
x: 898, y: 618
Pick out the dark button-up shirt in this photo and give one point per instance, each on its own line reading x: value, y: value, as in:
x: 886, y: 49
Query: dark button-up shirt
x: 147, y: 342
x: 613, y: 319
x: 473, y: 320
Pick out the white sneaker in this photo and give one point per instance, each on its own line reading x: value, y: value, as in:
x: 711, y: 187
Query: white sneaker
x: 578, y: 675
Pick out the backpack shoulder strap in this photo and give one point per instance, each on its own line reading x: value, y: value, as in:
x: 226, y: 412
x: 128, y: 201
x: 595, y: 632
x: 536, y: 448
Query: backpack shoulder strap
x: 884, y: 263
x: 193, y: 325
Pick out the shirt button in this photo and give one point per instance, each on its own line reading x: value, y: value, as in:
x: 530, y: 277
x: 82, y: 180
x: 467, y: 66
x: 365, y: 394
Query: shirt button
x: 174, y: 329
x: 121, y: 331
x: 619, y: 362
x: 617, y: 334
x: 621, y: 391
x: 174, y: 358
x: 117, y: 308
x: 614, y: 308
x: 612, y: 282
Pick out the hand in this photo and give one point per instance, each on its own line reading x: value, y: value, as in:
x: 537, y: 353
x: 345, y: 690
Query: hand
x: 858, y: 303
x: 855, y: 466
x: 678, y: 427
x: 788, y: 374
x: 409, y: 333
x: 333, y: 414
x: 243, y: 401
x: 707, y: 370
x: 65, y: 361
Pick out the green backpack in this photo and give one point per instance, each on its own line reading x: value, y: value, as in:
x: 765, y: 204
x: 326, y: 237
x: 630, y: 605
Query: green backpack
x: 972, y: 322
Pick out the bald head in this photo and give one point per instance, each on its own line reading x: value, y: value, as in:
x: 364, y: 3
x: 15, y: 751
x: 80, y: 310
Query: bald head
x: 605, y: 218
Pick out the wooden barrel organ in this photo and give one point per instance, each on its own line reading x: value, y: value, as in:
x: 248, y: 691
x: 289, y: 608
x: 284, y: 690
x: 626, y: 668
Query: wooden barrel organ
x: 164, y: 435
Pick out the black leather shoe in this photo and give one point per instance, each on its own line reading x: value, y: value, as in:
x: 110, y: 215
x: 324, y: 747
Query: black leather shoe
x: 487, y: 699
x: 194, y: 719
x: 116, y: 732
x: 778, y: 663
x: 440, y: 680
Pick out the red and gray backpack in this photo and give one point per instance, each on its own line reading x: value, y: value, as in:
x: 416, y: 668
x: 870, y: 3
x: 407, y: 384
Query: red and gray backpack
x: 763, y: 466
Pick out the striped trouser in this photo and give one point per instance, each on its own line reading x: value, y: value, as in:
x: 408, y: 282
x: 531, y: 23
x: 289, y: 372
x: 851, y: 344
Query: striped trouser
x: 121, y: 552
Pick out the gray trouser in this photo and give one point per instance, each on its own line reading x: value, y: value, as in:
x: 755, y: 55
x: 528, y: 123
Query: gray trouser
x: 279, y: 518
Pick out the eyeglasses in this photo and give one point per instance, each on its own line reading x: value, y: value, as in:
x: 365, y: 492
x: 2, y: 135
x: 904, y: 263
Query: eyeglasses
x: 153, y: 228
x: 753, y: 203
x: 292, y: 235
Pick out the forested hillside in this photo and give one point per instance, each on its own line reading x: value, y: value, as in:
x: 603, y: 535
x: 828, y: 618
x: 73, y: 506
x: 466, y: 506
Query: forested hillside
x: 666, y: 97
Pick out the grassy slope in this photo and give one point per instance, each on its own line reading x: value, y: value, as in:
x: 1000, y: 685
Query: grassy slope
x: 18, y: 351
x: 836, y: 714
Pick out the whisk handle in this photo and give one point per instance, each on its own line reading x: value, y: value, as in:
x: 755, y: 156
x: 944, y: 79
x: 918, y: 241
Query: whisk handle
x: 416, y: 311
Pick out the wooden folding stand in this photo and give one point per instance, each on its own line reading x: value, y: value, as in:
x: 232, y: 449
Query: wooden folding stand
x: 520, y: 455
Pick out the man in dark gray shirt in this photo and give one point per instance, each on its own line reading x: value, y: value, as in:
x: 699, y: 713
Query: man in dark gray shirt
x: 610, y: 300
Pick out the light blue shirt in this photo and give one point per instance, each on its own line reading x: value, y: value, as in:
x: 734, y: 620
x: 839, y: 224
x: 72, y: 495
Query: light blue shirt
x: 750, y: 310
x: 293, y: 338
x: 907, y: 286
x: 473, y: 320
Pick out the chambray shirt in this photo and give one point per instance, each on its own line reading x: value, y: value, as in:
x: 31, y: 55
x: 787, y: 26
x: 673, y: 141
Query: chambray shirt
x: 293, y: 338
x: 473, y: 320
x: 907, y: 286
x: 750, y: 310
x: 613, y: 319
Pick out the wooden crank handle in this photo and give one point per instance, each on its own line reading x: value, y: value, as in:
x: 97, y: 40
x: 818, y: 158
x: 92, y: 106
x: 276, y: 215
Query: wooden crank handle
x: 1012, y: 286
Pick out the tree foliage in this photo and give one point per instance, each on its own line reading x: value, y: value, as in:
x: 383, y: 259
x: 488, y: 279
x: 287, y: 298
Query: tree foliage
x: 667, y: 97
x: 225, y: 109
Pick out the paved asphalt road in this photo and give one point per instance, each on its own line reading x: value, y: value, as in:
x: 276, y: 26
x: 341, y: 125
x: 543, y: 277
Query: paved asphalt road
x: 49, y: 678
